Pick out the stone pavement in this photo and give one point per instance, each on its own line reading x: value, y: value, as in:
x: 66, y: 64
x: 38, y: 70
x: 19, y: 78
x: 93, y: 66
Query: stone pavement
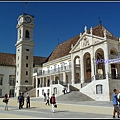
x: 66, y: 109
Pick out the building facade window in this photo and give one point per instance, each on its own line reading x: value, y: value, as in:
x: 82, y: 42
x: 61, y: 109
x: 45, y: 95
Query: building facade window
x: 11, y: 80
x: 1, y: 80
x: 26, y: 64
x: 26, y: 57
x: 19, y: 34
x: 55, y: 90
x: 42, y: 91
x: 99, y: 89
x: 26, y: 81
x: 26, y: 34
x: 27, y: 49
x: 11, y: 94
x: 26, y: 72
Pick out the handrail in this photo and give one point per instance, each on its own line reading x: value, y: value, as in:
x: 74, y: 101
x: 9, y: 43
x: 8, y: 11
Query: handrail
x: 114, y: 76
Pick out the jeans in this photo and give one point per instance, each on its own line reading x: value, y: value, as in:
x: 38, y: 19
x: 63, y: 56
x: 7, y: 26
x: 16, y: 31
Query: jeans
x: 53, y: 108
x: 6, y: 106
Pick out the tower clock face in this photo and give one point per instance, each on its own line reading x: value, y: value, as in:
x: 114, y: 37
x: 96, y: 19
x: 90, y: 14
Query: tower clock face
x: 28, y: 19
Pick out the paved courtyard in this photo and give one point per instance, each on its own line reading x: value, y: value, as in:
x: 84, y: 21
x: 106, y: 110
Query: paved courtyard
x: 67, y: 109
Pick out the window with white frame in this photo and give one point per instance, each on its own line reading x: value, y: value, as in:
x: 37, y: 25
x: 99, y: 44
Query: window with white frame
x: 11, y: 80
x: 99, y: 89
x: 55, y: 90
x: 1, y: 79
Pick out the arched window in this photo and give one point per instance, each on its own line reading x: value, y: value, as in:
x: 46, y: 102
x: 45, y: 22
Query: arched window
x: 27, y: 34
x: 55, y: 90
x: 19, y: 34
x: 99, y: 89
x: 26, y: 81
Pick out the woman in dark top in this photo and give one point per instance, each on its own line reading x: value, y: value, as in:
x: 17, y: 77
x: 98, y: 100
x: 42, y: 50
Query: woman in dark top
x: 53, y: 102
x: 6, y: 101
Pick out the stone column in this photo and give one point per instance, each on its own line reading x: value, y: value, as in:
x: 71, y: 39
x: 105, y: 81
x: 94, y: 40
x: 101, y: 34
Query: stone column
x: 106, y: 58
x: 54, y: 78
x: 92, y: 63
x: 64, y: 77
x: 73, y: 71
x: 40, y: 83
x: 82, y: 67
x: 36, y: 82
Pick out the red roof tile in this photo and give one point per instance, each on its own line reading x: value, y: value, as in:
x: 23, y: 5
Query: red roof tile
x: 7, y: 59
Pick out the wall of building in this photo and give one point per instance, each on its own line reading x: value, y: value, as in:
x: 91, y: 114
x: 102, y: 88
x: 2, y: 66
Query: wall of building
x: 6, y: 71
x: 90, y: 90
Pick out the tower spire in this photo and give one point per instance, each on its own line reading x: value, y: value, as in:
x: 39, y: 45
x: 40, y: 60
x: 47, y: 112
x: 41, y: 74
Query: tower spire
x: 26, y: 7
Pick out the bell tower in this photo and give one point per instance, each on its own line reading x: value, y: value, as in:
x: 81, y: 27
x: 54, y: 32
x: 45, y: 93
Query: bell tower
x: 24, y: 53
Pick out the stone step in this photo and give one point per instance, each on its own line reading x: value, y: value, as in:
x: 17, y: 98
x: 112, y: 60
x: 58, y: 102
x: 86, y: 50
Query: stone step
x: 74, y: 96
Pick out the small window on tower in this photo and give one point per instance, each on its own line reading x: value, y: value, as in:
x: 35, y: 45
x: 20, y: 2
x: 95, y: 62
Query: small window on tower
x: 27, y: 34
x: 20, y: 34
x: 26, y: 81
x: 26, y: 57
x: 26, y: 72
x: 26, y: 64
x: 27, y: 49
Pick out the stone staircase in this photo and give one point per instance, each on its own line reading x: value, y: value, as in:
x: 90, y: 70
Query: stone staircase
x: 73, y: 88
x: 74, y: 96
x: 32, y: 92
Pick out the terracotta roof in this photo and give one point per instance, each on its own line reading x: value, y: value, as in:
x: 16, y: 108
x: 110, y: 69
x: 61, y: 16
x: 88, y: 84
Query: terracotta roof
x: 7, y: 59
x: 99, y: 31
x: 65, y: 47
x: 37, y: 60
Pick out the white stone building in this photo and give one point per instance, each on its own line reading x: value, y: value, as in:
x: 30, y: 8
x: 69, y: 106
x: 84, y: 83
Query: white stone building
x: 88, y: 62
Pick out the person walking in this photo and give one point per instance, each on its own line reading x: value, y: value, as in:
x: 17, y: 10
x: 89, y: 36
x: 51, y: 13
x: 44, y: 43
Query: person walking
x: 48, y: 98
x: 44, y: 97
x: 118, y: 96
x: 115, y: 103
x: 23, y: 98
x: 6, y: 99
x: 53, y: 102
x: 19, y: 100
x: 27, y: 101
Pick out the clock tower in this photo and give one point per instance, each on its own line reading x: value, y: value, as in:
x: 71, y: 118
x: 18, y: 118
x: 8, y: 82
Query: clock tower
x: 24, y: 53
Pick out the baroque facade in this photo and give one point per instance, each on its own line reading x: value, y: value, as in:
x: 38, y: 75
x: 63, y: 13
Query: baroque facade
x: 88, y: 62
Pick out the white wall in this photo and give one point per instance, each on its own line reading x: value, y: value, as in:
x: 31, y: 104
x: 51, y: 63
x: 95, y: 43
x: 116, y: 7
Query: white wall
x: 90, y: 90
x: 6, y: 71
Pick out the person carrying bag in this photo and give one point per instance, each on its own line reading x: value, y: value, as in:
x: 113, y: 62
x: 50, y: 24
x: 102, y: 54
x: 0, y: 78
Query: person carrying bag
x: 6, y: 99
x: 53, y: 102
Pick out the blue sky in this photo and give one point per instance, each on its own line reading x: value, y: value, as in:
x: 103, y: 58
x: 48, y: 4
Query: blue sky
x: 55, y: 20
